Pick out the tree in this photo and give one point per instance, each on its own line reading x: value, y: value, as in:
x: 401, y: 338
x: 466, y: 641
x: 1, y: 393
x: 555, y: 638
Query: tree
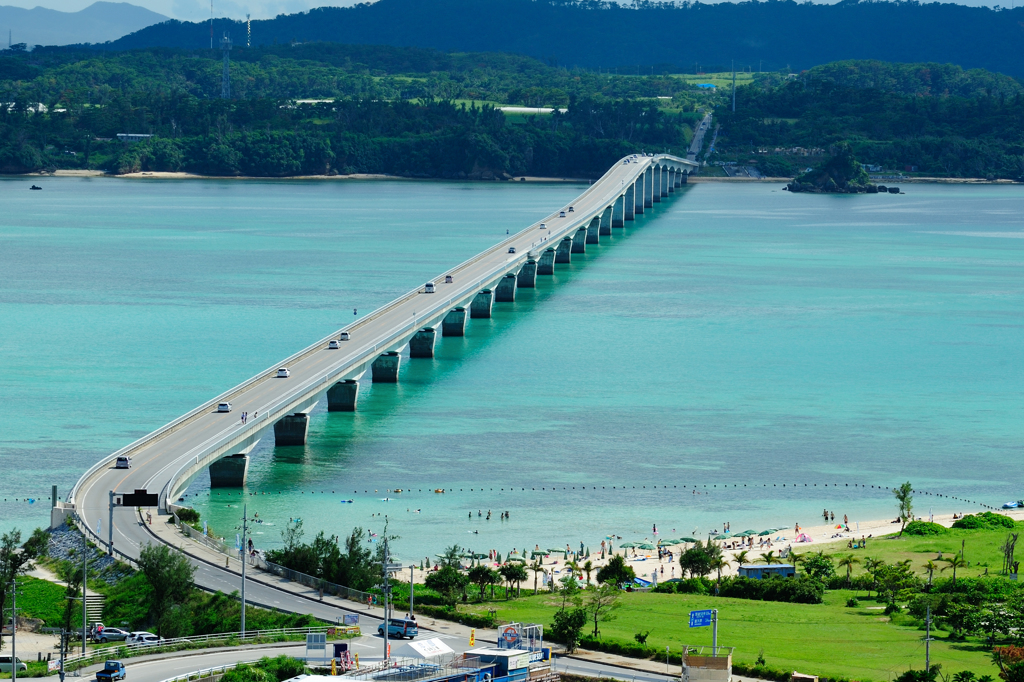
x: 956, y: 561
x: 742, y: 557
x: 905, y: 504
x: 517, y: 574
x: 698, y: 560
x: 1010, y: 660
x: 568, y: 626
x: 13, y: 562
x: 447, y: 582
x: 848, y: 561
x: 506, y: 574
x: 482, y: 576
x: 170, y: 575
x: 616, y: 572
x: 717, y: 564
x: 819, y: 565
x: 536, y: 567
x: 930, y: 566
x: 601, y: 602
x: 770, y: 558
x: 451, y: 557
x: 588, y: 568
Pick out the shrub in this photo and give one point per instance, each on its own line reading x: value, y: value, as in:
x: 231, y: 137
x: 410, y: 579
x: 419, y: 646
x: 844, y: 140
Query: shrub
x: 761, y: 672
x: 801, y: 590
x: 188, y: 515
x: 985, y: 520
x: 694, y: 586
x: 891, y: 609
x: 852, y: 603
x: 924, y: 528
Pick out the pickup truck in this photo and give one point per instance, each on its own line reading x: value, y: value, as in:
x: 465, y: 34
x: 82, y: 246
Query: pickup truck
x: 112, y: 670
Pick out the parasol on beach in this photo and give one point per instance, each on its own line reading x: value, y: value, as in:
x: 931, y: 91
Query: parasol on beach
x: 645, y: 545
x: 749, y: 532
x: 766, y: 532
x: 687, y: 539
x: 627, y: 545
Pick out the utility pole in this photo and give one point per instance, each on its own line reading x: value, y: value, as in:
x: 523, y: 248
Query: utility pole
x: 387, y: 594
x: 412, y: 586
x: 85, y: 582
x: 248, y: 31
x: 245, y: 557
x: 14, y: 630
x: 714, y: 632
x: 734, y: 86
x: 110, y: 526
x: 928, y: 638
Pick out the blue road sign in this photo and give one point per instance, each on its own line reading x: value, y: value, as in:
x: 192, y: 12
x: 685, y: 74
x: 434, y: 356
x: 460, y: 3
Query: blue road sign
x: 699, y: 619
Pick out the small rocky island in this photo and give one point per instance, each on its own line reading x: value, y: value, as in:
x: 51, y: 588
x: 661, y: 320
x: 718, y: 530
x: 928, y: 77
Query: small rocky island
x: 841, y: 174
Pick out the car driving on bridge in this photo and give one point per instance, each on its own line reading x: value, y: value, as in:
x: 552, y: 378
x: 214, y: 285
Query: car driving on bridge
x: 511, y: 249
x: 123, y: 462
x: 334, y: 344
x: 344, y: 336
x: 283, y: 373
x: 223, y: 407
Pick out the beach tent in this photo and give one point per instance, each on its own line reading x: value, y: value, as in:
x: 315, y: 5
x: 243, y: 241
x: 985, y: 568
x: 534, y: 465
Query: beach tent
x: 804, y: 537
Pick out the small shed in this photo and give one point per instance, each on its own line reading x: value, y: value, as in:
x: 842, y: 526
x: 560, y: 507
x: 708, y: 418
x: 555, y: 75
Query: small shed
x: 762, y: 571
x: 801, y: 677
x: 511, y: 663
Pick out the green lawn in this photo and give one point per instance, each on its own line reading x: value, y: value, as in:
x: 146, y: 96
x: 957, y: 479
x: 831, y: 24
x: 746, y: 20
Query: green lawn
x: 41, y: 599
x: 824, y: 639
x: 981, y: 549
x: 720, y: 80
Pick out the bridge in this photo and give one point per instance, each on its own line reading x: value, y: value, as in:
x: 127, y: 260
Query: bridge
x: 168, y: 459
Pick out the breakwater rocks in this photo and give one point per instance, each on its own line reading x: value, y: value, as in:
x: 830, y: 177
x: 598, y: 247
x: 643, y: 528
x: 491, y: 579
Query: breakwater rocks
x: 66, y: 545
x: 831, y: 187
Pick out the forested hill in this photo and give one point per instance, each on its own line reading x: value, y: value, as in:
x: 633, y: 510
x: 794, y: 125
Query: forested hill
x: 772, y: 34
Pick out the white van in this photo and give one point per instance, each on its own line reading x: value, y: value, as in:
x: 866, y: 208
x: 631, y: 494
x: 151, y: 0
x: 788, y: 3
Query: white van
x: 428, y: 288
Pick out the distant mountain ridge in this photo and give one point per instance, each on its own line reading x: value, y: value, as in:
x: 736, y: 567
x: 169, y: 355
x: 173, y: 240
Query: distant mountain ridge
x: 100, y: 22
x: 772, y: 34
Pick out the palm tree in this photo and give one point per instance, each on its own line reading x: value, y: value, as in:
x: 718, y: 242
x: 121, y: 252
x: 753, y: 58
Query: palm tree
x: 717, y: 564
x: 796, y: 558
x: 871, y: 565
x: 517, y: 574
x: 587, y: 568
x: 848, y: 561
x: 742, y: 557
x: 770, y: 558
x: 930, y: 566
x: 574, y: 568
x: 481, y: 576
x: 536, y: 567
x: 955, y: 562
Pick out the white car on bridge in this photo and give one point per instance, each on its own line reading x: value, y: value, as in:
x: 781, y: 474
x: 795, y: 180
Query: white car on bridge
x: 223, y: 407
x: 283, y: 373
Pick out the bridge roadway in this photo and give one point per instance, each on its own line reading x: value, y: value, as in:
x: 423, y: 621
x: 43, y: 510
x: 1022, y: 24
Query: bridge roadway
x: 170, y: 457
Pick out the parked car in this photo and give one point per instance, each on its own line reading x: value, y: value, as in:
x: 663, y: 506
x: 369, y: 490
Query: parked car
x: 399, y: 628
x: 123, y: 462
x: 223, y: 407
x: 283, y: 373
x: 334, y: 344
x: 6, y: 665
x: 111, y: 635
x: 143, y: 639
x: 112, y: 670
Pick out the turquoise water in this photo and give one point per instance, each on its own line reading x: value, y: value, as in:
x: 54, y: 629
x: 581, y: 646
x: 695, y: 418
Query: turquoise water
x: 738, y: 336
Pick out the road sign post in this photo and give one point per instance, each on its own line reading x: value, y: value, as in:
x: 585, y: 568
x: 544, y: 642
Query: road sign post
x: 703, y: 618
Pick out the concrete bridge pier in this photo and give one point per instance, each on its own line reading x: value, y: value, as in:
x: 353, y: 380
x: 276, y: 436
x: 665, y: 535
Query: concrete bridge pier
x: 229, y: 472
x: 564, y: 250
x: 659, y: 183
x: 678, y: 179
x: 505, y: 292
x: 629, y: 204
x: 594, y: 231
x: 579, y: 240
x: 342, y: 396
x: 606, y: 222
x: 671, y: 184
x: 618, y: 211
x: 384, y: 369
x: 480, y: 308
x: 683, y: 180
x: 649, y: 188
x: 421, y: 345
x: 454, y: 323
x: 527, y: 278
x: 291, y: 429
x: 664, y: 182
x: 546, y: 266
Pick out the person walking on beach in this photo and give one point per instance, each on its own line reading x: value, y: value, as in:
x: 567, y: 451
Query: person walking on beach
x: 846, y: 520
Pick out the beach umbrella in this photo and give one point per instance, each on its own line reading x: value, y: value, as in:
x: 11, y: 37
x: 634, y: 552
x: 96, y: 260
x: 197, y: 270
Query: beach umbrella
x: 628, y: 545
x: 749, y: 532
x: 645, y: 545
x: 766, y: 532
x: 687, y: 540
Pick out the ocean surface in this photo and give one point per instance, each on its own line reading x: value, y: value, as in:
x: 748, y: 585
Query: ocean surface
x: 736, y: 340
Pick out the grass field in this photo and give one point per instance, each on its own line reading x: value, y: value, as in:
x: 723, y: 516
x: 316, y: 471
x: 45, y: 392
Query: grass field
x: 720, y: 80
x: 40, y: 599
x: 823, y: 639
x: 981, y: 549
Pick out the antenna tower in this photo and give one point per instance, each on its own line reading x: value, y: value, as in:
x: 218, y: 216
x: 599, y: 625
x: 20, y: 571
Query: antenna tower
x: 211, y: 24
x: 248, y: 31
x: 225, y: 78
x: 734, y: 86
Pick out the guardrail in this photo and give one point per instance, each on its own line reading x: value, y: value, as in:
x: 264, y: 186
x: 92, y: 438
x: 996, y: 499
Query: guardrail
x: 207, y: 672
x: 129, y: 650
x: 317, y: 583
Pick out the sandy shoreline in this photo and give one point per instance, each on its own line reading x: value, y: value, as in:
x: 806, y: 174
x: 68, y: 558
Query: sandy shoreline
x: 696, y: 179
